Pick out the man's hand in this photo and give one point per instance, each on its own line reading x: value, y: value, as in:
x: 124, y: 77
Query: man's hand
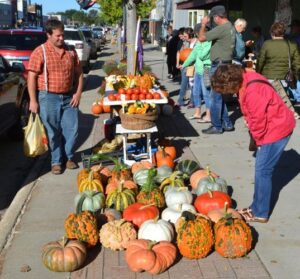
x: 34, y: 106
x: 75, y: 100
x: 205, y: 20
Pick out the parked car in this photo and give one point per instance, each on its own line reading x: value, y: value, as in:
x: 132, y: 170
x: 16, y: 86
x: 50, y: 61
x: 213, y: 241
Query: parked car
x: 16, y: 45
x: 89, y: 37
x: 75, y: 37
x: 14, y: 99
x: 100, y: 32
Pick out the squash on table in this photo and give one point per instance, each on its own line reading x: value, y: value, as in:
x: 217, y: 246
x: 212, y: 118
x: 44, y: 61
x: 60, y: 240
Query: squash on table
x: 163, y: 172
x: 138, y: 213
x: 140, y: 176
x: 143, y: 164
x: 64, y: 255
x: 116, y: 234
x: 144, y: 255
x: 104, y: 172
x: 90, y: 200
x: 169, y: 149
x: 195, y: 238
x: 211, y: 200
x: 177, y: 195
x: 162, y: 158
x: 84, y: 173
x: 150, y: 193
x: 174, y: 180
x: 233, y: 237
x: 199, y: 174
x: 156, y: 230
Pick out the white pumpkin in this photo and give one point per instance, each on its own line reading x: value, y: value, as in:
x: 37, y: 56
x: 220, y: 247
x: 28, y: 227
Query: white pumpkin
x: 172, y: 214
x: 156, y: 230
x: 178, y: 195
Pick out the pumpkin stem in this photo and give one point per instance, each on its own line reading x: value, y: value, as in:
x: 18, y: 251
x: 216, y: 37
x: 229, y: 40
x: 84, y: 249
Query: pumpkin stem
x: 146, y: 205
x: 63, y: 242
x: 151, y: 244
x: 210, y: 193
x: 225, y: 207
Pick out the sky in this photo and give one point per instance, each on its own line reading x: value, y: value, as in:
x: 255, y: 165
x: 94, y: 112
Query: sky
x: 56, y: 5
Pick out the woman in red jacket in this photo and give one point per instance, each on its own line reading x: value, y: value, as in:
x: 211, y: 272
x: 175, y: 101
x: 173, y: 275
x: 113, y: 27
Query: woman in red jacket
x: 270, y: 123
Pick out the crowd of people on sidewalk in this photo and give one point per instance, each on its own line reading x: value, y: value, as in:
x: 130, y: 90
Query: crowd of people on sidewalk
x: 218, y: 54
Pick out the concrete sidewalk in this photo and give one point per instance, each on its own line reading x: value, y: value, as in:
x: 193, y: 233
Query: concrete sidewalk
x: 49, y: 199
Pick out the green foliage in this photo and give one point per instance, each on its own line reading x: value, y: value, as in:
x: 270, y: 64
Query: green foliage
x: 111, y: 10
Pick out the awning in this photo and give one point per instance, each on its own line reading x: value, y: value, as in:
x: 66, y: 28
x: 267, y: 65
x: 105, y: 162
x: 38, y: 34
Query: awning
x: 208, y: 4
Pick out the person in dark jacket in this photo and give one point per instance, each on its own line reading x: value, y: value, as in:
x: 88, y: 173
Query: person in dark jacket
x: 270, y: 123
x: 172, y: 43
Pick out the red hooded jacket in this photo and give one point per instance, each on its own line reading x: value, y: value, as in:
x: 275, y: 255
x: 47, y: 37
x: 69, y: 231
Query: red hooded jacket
x: 267, y: 116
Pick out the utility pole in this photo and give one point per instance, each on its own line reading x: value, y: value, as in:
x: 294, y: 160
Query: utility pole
x: 130, y: 36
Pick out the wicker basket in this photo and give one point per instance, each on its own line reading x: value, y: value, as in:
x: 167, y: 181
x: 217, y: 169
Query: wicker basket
x: 138, y: 121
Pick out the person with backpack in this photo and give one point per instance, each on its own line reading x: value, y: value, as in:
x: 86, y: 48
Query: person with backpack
x: 55, y: 82
x: 270, y: 123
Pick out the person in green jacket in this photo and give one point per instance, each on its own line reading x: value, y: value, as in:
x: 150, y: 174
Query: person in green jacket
x: 273, y: 61
x: 200, y: 57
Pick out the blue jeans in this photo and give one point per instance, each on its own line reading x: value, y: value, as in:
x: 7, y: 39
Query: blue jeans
x: 200, y: 92
x: 61, y: 123
x: 218, y: 109
x: 267, y: 157
x: 183, y: 87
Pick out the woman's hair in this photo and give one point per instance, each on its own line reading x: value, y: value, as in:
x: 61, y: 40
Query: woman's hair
x: 189, y: 31
x: 277, y: 29
x: 227, y: 79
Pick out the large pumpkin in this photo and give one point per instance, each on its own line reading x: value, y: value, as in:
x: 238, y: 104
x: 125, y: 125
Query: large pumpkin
x: 178, y: 195
x: 140, y: 176
x: 172, y: 214
x: 144, y: 164
x: 150, y: 256
x: 199, y: 174
x: 184, y: 54
x: 116, y: 234
x: 90, y: 200
x: 82, y: 226
x: 162, y: 158
x: 233, y: 237
x: 194, y: 236
x: 156, y: 230
x: 169, y: 149
x: 138, y: 213
x: 84, y: 173
x: 211, y: 200
x: 64, y: 255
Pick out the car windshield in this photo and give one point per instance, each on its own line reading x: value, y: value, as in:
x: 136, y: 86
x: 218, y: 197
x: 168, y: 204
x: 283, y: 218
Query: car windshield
x: 72, y: 35
x: 87, y: 34
x: 21, y: 41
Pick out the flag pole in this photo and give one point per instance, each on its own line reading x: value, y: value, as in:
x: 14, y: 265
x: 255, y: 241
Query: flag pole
x: 136, y: 43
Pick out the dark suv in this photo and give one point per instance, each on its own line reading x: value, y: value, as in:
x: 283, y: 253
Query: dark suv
x: 14, y: 100
x: 16, y: 45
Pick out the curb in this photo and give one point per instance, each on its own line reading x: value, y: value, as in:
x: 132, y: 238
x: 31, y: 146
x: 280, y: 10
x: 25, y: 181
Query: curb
x: 19, y: 202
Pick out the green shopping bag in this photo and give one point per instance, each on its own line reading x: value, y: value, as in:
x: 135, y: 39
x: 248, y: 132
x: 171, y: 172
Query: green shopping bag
x: 35, y: 137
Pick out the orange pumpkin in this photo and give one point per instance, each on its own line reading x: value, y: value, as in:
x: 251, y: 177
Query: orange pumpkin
x: 171, y: 150
x: 199, y: 174
x: 217, y: 214
x: 144, y: 164
x: 150, y: 256
x: 162, y: 158
x: 184, y: 54
x: 104, y: 172
x: 113, y: 185
x: 97, y: 108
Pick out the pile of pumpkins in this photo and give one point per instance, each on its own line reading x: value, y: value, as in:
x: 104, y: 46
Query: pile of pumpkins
x: 153, y: 211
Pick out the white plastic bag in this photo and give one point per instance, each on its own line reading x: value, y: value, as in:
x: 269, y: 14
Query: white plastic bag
x: 35, y: 137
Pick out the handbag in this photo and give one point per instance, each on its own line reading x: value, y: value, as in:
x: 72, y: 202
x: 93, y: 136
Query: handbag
x: 206, y: 77
x: 190, y: 71
x: 290, y: 78
x: 35, y: 138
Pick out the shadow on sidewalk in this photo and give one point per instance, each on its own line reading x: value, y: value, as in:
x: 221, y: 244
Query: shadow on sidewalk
x: 286, y: 170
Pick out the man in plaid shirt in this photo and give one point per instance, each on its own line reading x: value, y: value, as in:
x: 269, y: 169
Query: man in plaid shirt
x: 55, y: 82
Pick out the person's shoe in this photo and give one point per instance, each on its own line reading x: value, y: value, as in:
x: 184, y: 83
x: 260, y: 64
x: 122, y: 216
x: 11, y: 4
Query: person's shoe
x: 211, y: 130
x: 71, y: 165
x: 230, y: 129
x: 248, y: 216
x: 56, y: 169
